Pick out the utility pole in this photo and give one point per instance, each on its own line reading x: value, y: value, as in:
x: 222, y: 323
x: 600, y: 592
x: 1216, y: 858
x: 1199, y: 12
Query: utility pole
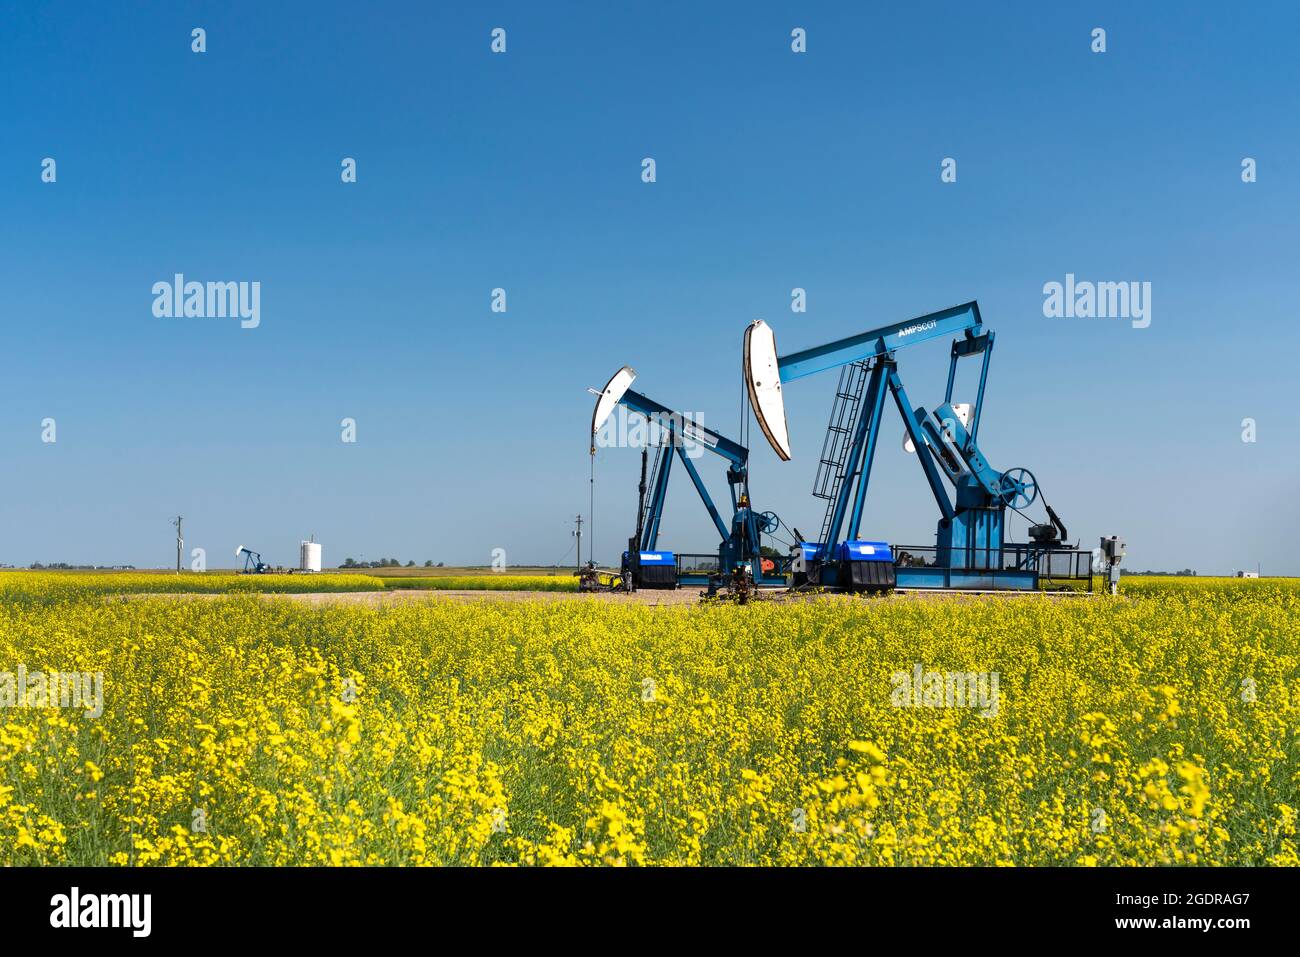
x: 578, y: 532
x: 180, y: 543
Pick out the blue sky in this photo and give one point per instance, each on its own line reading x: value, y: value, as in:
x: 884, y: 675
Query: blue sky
x: 522, y: 171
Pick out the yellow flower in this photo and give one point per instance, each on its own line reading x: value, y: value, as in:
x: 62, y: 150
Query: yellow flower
x: 869, y: 749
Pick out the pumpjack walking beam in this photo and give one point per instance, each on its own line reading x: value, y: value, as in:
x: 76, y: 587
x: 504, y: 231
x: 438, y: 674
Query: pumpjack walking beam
x: 958, y: 320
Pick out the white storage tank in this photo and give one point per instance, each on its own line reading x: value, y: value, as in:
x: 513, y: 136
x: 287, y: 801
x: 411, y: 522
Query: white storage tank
x: 309, y: 557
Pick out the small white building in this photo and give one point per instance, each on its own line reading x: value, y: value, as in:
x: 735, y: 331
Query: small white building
x: 1247, y: 574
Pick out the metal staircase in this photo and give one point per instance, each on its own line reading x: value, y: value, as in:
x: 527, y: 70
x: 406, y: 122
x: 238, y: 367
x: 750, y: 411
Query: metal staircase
x: 647, y: 501
x: 839, y: 439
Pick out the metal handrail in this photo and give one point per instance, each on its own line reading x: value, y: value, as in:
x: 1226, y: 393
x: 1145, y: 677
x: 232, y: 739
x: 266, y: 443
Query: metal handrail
x: 1052, y: 564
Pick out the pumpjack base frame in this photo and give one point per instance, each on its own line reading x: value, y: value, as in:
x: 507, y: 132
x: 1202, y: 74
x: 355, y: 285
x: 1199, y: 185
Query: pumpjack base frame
x: 953, y: 579
x: 693, y: 579
x: 967, y: 579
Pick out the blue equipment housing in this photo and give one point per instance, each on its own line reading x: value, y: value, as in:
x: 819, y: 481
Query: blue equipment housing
x: 866, y: 566
x: 657, y: 559
x: 657, y: 569
x: 865, y: 552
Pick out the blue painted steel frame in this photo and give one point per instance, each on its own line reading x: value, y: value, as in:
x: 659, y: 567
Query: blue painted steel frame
x: 650, y: 534
x: 915, y: 431
x: 969, y: 470
x: 703, y: 492
x: 880, y: 342
x: 884, y: 377
x: 972, y: 345
x: 992, y: 580
x: 732, y: 451
x: 680, y: 428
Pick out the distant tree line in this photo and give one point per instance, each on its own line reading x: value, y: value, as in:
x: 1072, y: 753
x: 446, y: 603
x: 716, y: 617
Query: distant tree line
x: 386, y: 563
x: 1186, y: 572
x: 64, y: 566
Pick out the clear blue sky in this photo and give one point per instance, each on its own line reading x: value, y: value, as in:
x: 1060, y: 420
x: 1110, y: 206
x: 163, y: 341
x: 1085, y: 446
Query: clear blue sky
x: 522, y: 171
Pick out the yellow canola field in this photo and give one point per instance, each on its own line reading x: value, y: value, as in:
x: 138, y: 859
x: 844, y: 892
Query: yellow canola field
x: 1162, y: 727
